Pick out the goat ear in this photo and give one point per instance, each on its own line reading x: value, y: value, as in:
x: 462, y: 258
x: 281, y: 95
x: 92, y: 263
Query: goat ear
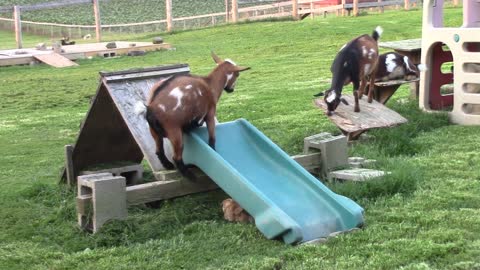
x: 240, y: 68
x: 343, y: 101
x: 217, y: 59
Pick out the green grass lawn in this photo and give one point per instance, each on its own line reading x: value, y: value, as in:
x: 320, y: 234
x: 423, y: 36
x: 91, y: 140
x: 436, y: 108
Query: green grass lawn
x: 425, y: 215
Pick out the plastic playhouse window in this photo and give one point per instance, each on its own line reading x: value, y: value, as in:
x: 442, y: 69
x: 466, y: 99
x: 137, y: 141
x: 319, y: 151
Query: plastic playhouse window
x: 471, y: 88
x: 469, y: 108
x: 471, y: 46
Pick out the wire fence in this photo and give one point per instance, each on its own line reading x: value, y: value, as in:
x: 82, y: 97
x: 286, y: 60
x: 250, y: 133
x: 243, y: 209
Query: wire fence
x: 75, y: 18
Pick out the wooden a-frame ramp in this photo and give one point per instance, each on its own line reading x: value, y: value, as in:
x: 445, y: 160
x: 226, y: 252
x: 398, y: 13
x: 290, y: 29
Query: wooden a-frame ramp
x: 371, y: 115
x: 112, y: 132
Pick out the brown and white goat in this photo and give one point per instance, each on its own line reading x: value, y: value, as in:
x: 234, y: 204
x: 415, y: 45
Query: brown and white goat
x: 355, y: 63
x: 181, y: 103
x: 394, y: 66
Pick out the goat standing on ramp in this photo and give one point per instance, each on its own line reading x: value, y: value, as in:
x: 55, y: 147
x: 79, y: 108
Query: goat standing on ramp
x: 181, y: 103
x: 355, y: 62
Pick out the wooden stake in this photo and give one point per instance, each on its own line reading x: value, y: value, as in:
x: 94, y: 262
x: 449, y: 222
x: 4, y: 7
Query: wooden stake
x: 407, y: 5
x: 168, y: 7
x: 343, y: 8
x: 18, y: 26
x: 98, y: 26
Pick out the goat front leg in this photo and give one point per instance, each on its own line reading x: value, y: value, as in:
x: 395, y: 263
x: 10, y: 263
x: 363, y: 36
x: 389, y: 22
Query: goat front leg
x: 355, y: 94
x: 175, y: 137
x: 210, y: 120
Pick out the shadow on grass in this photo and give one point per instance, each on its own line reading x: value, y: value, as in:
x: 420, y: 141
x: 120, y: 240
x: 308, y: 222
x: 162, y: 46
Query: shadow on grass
x: 398, y: 141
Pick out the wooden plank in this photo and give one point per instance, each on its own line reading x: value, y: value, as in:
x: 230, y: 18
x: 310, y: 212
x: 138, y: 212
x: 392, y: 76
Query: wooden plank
x: 55, y: 60
x: 403, y: 45
x: 162, y: 190
x: 310, y: 161
x: 70, y: 174
x: 371, y: 115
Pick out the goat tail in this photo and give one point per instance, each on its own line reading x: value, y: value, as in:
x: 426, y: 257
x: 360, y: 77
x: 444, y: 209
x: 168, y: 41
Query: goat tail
x: 377, y: 33
x: 153, y: 122
x: 140, y: 108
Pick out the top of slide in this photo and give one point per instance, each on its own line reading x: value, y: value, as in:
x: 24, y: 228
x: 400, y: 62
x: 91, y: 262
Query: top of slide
x: 285, y: 200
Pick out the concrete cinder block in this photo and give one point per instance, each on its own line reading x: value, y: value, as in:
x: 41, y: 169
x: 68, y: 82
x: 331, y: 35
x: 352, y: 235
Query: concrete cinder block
x: 333, y: 150
x: 101, y: 197
x: 356, y: 174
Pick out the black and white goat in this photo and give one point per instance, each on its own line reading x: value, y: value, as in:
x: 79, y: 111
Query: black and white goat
x: 394, y: 66
x: 355, y: 62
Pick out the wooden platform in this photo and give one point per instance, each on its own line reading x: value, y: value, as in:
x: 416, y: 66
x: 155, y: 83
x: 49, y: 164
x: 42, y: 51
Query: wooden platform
x: 73, y: 52
x: 55, y: 60
x: 371, y: 115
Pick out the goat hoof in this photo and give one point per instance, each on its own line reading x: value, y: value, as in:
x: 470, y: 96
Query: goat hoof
x: 356, y: 110
x: 168, y: 165
x: 190, y: 176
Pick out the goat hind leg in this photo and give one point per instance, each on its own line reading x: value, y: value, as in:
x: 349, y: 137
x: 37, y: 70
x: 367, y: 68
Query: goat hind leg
x: 161, y: 151
x: 177, y: 143
x: 363, y: 84
x: 371, y: 88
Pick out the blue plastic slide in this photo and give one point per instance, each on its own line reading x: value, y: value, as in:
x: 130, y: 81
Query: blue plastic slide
x: 285, y: 200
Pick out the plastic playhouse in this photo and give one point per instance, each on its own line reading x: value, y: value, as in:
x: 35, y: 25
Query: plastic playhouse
x: 463, y: 52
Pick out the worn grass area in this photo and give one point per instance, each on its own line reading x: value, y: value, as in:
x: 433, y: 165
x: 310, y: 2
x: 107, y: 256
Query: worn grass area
x: 425, y: 215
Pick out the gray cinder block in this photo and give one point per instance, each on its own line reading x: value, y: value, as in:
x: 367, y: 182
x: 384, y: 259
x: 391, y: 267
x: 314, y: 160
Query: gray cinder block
x: 101, y: 197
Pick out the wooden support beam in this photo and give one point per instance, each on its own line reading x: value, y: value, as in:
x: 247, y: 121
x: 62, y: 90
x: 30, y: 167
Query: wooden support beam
x: 98, y: 26
x: 18, y: 26
x: 168, y: 9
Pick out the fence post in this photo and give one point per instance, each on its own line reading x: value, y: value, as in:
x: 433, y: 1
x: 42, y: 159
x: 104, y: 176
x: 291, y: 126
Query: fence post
x: 355, y: 7
x: 98, y: 26
x: 455, y: 3
x: 168, y: 7
x: 343, y: 8
x: 381, y: 8
x: 234, y: 11
x: 18, y: 26
x: 227, y: 11
x: 295, y: 9
x: 406, y: 6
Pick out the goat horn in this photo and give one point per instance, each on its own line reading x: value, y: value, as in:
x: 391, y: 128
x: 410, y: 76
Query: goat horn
x: 217, y: 59
x: 240, y: 68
